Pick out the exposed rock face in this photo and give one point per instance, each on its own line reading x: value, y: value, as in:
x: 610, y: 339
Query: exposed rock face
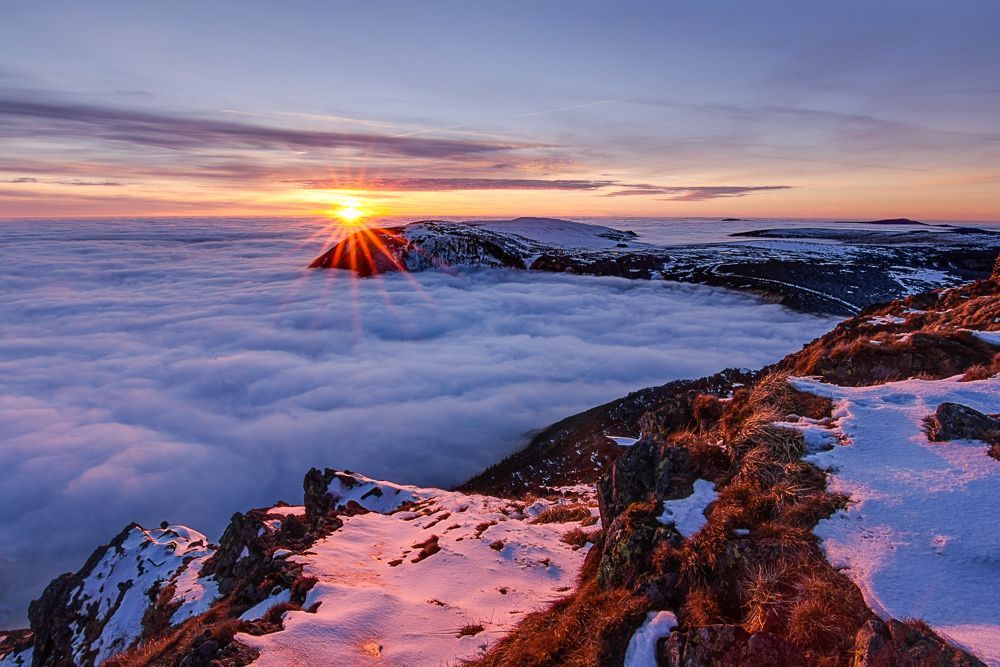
x: 317, y: 498
x: 878, y: 644
x: 953, y: 421
x: 727, y: 645
x: 863, y: 268
x: 647, y: 471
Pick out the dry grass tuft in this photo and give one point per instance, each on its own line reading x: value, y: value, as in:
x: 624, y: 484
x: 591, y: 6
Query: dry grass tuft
x: 470, y: 630
x: 823, y: 616
x: 481, y: 528
x: 983, y: 371
x: 578, y: 538
x: 428, y: 548
x: 563, y: 514
x: 765, y: 598
x: 701, y: 608
x: 591, y: 627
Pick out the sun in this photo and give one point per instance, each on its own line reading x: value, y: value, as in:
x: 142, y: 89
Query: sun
x: 349, y: 213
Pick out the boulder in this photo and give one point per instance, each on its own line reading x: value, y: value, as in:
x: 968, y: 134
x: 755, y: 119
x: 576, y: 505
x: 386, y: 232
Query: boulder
x: 954, y: 421
x: 318, y: 500
x: 628, y: 545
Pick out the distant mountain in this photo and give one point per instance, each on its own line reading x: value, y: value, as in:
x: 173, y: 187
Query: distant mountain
x: 857, y: 270
x: 886, y: 221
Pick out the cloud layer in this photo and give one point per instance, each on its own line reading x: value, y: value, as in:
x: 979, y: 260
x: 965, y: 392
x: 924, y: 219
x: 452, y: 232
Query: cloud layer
x: 695, y: 192
x: 184, y: 370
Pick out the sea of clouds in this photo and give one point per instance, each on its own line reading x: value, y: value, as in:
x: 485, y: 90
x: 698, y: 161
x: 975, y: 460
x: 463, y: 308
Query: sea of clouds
x: 188, y: 369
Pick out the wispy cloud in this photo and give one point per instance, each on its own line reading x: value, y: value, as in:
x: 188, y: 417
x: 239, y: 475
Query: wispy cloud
x: 695, y: 192
x: 27, y: 118
x: 68, y: 181
x: 443, y: 184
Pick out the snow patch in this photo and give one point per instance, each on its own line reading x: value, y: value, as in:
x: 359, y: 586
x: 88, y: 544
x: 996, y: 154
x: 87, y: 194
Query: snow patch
x: 117, y: 589
x: 285, y: 510
x: 258, y: 610
x: 688, y: 514
x: 385, y: 593
x: 641, y: 651
x: 887, y: 319
x: 195, y: 593
x: 920, y: 537
x: 990, y: 337
x: 17, y: 658
x: 373, y: 495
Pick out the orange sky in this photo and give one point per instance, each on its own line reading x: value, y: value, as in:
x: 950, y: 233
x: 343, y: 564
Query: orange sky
x: 619, y: 109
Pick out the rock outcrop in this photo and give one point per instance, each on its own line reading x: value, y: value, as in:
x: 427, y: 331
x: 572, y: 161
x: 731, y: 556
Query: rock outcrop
x: 953, y: 421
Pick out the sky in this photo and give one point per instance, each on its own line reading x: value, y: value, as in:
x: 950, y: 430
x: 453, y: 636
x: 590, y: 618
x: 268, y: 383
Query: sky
x: 773, y: 108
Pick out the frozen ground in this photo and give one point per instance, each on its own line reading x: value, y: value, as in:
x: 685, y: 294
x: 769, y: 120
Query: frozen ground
x: 920, y: 537
x: 384, y: 600
x: 186, y: 369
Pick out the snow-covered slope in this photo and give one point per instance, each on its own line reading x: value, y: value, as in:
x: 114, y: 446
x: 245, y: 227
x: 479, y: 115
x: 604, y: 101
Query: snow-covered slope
x: 920, y: 538
x: 564, y: 233
x: 434, y: 583
x: 122, y: 581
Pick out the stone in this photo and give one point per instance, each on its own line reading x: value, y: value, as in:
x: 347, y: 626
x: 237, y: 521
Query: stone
x: 954, y: 421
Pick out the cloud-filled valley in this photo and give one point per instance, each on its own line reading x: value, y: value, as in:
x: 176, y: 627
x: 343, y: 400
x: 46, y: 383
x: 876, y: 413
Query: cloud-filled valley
x: 185, y: 370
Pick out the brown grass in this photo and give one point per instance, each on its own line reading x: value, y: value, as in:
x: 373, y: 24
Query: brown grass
x: 470, y: 630
x: 164, y: 650
x: 824, y: 615
x: 591, y: 627
x: 145, y: 653
x: 577, y: 537
x: 563, y: 514
x: 428, y: 548
x: 701, y: 608
x: 481, y: 528
x: 983, y: 371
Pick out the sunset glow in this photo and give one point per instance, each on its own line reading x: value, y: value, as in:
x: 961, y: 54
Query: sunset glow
x: 650, y: 120
x: 349, y: 214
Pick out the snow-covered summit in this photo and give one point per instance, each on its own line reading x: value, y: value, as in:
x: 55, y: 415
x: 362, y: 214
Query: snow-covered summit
x: 564, y: 233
